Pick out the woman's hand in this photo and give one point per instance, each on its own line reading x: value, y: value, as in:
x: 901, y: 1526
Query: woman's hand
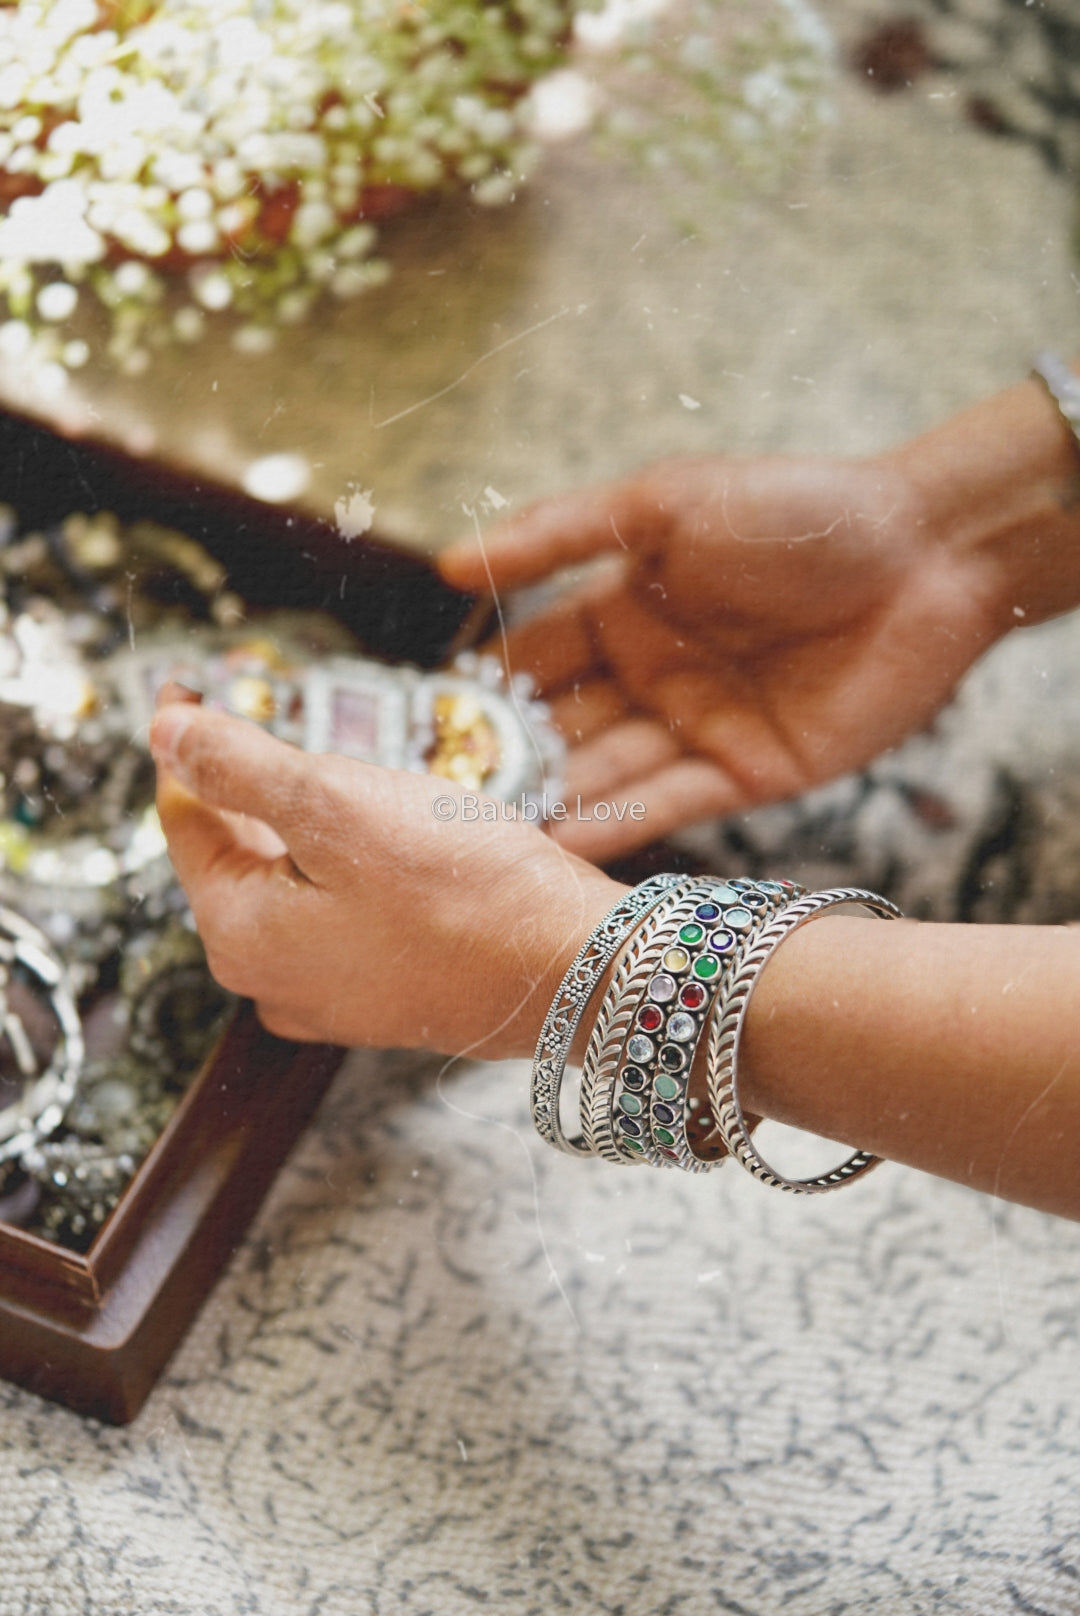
x: 767, y: 624
x: 335, y: 895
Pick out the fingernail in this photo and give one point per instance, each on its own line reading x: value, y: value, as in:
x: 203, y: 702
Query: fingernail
x: 167, y: 731
x: 173, y: 691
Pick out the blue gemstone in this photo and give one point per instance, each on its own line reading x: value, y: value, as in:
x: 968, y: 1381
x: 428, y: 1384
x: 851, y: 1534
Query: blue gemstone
x: 729, y: 894
x: 707, y: 911
x: 664, y: 1114
x: 630, y: 1126
x: 640, y: 1048
x: 738, y: 919
x: 722, y: 941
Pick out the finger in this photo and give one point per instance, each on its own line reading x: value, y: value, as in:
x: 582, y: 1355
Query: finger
x: 631, y: 750
x: 559, y: 532
x: 685, y: 792
x: 200, y: 839
x: 588, y: 709
x: 234, y: 767
x: 554, y: 648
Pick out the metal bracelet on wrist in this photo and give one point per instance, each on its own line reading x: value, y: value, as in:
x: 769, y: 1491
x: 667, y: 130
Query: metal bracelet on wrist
x: 568, y: 1006
x: 615, y: 1115
x: 693, y: 971
x: 726, y: 1028
x: 647, y: 1094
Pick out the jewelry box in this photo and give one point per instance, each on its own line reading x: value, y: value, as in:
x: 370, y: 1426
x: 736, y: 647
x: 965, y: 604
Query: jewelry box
x: 94, y: 1329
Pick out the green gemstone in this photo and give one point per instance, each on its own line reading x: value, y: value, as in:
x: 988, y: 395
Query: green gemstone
x: 666, y: 1087
x: 705, y: 969
x: 635, y: 1145
x: 663, y: 1136
x: 630, y: 1104
x: 691, y: 934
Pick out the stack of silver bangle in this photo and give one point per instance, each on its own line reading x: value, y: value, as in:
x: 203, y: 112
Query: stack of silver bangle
x: 684, y: 954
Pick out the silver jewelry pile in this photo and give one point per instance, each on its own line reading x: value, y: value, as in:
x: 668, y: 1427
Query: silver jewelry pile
x: 94, y: 617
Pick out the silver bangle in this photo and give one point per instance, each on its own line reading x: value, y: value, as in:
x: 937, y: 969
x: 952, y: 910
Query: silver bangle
x: 1064, y: 388
x: 690, y: 962
x: 614, y: 1028
x: 568, y: 1006
x: 726, y: 1030
x: 46, y: 1093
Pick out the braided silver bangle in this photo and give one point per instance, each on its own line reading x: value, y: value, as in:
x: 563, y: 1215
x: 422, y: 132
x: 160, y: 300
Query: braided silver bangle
x: 1064, y: 388
x: 568, y: 1006
x: 726, y: 1030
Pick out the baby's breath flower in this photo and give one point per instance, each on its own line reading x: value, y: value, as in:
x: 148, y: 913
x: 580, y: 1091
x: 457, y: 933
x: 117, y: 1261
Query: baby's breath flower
x: 242, y: 148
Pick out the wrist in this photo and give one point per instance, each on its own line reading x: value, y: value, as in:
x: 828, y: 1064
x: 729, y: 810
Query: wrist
x: 557, y: 916
x: 996, y: 492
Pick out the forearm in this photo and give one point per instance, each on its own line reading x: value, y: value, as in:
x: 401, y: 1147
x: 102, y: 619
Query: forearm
x: 955, y: 1049
x: 999, y: 484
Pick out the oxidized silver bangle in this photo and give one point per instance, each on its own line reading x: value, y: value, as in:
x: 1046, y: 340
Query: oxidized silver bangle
x: 725, y: 1032
x: 613, y: 1031
x: 1064, y: 388
x: 575, y: 990
x: 47, y: 1092
x: 707, y: 950
x: 671, y: 1011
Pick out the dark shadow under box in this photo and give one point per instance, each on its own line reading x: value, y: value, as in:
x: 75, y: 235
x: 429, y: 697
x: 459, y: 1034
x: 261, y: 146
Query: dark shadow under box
x: 94, y: 1331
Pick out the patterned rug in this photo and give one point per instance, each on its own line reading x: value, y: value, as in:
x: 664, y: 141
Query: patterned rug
x: 450, y: 1372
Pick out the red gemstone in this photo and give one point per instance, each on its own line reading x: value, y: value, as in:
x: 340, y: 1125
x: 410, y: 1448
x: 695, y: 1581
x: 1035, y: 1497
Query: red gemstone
x: 692, y: 996
x: 650, y: 1017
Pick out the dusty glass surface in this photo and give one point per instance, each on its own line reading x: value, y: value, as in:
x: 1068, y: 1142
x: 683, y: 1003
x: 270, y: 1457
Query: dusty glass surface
x: 905, y: 266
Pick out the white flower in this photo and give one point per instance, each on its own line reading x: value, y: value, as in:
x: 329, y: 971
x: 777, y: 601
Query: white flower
x: 51, y: 228
x: 561, y: 105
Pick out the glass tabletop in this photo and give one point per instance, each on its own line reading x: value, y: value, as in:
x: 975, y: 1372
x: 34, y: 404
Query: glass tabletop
x: 905, y: 264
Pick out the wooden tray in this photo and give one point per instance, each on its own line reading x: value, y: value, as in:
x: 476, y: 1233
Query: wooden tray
x: 95, y: 1331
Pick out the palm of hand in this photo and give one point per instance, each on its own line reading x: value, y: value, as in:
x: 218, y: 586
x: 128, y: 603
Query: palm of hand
x: 748, y: 648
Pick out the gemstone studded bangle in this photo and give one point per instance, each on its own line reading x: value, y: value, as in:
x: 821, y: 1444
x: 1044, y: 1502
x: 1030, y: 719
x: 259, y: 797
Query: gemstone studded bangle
x: 1064, y: 388
x: 707, y: 950
x: 726, y: 1029
x: 650, y: 1096
x: 613, y: 1031
x: 575, y: 990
